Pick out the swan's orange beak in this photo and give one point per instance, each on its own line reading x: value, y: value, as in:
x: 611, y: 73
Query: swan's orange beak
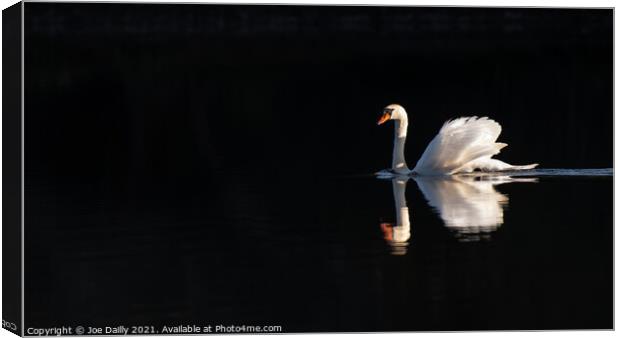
x: 388, y: 231
x: 384, y: 117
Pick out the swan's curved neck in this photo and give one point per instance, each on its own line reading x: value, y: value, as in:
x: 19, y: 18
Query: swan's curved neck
x: 400, y: 135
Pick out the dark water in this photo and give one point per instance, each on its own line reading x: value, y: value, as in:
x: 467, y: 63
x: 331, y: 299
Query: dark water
x: 489, y: 252
x: 200, y: 164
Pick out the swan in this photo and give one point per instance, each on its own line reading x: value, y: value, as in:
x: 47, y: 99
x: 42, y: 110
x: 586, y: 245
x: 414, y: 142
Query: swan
x: 462, y: 145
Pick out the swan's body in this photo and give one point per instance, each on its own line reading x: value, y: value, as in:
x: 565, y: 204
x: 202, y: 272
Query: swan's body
x: 461, y: 146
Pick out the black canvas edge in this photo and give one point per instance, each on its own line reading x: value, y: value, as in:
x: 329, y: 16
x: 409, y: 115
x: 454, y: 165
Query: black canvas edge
x: 12, y: 194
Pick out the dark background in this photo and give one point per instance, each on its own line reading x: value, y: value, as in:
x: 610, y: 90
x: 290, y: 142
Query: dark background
x: 165, y: 141
x: 182, y: 89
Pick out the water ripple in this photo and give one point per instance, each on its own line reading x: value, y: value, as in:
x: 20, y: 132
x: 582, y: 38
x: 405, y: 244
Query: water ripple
x: 562, y: 172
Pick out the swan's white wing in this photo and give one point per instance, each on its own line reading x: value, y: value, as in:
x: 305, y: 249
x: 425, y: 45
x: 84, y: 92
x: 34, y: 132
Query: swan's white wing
x: 458, y: 143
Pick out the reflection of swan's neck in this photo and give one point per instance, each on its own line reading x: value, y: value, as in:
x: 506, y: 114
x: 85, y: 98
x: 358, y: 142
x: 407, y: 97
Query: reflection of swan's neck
x: 402, y: 230
x: 400, y: 135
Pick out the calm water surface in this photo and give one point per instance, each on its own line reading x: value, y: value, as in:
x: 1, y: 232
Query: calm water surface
x: 352, y: 253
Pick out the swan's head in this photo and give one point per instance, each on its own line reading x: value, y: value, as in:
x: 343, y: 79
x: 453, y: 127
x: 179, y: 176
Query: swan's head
x: 392, y: 112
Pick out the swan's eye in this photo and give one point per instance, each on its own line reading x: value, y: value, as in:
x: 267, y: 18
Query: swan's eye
x: 388, y: 111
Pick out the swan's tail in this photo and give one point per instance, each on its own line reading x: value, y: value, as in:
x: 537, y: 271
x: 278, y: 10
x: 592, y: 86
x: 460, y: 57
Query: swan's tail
x: 491, y: 164
x: 523, y: 167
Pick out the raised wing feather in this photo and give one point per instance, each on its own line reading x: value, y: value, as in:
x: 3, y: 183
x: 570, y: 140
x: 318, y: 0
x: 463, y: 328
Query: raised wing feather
x: 458, y: 144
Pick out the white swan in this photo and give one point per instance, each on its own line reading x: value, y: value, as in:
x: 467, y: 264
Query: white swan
x: 461, y: 146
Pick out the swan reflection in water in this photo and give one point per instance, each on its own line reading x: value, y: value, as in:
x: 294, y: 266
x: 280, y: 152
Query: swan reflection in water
x: 469, y: 205
x: 397, y: 235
